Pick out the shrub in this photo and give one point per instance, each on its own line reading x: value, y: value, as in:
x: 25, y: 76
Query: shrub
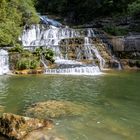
x: 117, y: 31
x: 27, y: 63
x: 26, y: 53
x: 46, y: 53
x: 22, y: 64
x: 134, y: 7
x: 34, y: 64
x: 17, y: 48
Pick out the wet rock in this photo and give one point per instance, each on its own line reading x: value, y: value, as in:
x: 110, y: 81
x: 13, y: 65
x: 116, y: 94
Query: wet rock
x: 55, y: 109
x: 17, y: 127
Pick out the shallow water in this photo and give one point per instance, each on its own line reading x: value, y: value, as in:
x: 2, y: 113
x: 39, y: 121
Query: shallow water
x: 113, y: 100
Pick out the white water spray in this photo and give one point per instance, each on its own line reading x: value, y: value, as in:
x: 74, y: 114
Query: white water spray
x: 4, y: 62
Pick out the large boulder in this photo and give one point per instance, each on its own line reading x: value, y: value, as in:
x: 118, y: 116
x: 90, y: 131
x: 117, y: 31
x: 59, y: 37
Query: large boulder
x: 17, y: 127
x: 55, y: 109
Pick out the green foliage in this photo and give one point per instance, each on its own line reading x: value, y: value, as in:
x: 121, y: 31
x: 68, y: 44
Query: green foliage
x: 82, y: 11
x: 26, y: 53
x: 23, y: 63
x: 14, y: 14
x: 17, y: 48
x: 46, y: 53
x: 134, y: 8
x: 117, y: 31
x: 38, y: 52
x: 27, y: 63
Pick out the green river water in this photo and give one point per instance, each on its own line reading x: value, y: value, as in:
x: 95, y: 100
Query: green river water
x: 114, y: 101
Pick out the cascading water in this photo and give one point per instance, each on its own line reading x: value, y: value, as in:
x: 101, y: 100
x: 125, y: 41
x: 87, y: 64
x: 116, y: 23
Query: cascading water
x: 87, y: 70
x: 4, y: 62
x: 51, y: 37
x: 90, y: 50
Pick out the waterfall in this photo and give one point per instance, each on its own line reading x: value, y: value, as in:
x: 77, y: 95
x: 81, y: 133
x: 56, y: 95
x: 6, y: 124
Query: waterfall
x: 4, y: 62
x: 93, y: 70
x: 90, y: 50
x: 51, y: 37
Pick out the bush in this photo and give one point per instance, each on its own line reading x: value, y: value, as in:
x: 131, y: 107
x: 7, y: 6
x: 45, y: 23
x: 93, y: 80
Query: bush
x: 134, y: 8
x: 117, y: 31
x: 27, y: 63
x: 26, y: 53
x: 17, y: 48
x: 46, y: 53
x: 34, y: 64
x: 23, y: 64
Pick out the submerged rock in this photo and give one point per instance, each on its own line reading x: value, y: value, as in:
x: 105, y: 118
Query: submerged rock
x: 55, y: 109
x: 1, y: 109
x: 17, y: 127
x: 42, y: 134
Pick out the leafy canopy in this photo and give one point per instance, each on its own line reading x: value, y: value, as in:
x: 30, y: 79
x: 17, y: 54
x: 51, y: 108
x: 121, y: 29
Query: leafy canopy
x: 14, y: 14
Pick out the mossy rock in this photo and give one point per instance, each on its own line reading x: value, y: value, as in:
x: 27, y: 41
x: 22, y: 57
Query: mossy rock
x: 55, y: 109
x: 16, y: 127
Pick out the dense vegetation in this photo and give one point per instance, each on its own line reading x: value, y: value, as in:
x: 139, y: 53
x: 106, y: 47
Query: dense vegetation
x: 21, y: 59
x: 86, y: 10
x: 14, y: 14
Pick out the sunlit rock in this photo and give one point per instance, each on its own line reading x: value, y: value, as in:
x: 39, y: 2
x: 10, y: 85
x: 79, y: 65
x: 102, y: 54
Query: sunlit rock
x: 17, y: 127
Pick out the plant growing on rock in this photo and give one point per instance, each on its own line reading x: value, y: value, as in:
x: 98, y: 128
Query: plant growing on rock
x: 18, y: 48
x: 48, y: 54
x: 27, y: 63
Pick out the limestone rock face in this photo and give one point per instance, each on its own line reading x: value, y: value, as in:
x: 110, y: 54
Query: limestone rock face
x: 17, y: 127
x: 55, y: 109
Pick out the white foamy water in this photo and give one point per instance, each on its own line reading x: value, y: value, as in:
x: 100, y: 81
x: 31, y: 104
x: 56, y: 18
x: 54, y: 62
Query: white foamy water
x: 4, y: 62
x: 50, y: 37
x: 94, y: 70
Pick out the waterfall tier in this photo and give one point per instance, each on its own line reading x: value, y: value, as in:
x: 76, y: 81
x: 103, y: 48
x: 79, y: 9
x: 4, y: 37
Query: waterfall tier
x: 4, y: 62
x: 72, y: 47
x: 93, y: 70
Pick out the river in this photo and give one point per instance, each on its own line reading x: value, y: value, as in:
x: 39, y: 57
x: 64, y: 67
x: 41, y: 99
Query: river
x: 113, y: 98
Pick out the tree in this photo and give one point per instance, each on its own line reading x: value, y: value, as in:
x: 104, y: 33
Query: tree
x: 134, y: 7
x: 14, y: 14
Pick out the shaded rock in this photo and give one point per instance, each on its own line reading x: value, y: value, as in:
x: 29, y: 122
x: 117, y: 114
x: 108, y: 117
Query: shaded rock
x: 3, y: 138
x: 55, y: 109
x: 16, y: 127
